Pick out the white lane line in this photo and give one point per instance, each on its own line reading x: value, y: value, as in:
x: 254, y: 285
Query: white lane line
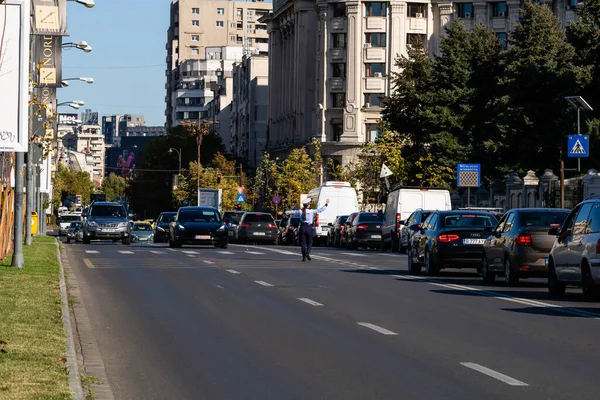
x: 494, y: 374
x: 126, y: 252
x: 207, y: 262
x: 376, y: 328
x: 189, y: 252
x: 225, y: 252
x: 311, y: 302
x: 233, y: 271
x: 157, y: 252
x: 354, y: 254
x: 502, y: 296
x: 191, y: 255
x: 91, y: 251
x: 255, y: 252
x: 264, y: 283
x: 171, y: 249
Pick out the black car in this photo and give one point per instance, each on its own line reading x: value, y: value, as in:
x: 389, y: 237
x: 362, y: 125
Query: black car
x: 449, y: 239
x: 198, y: 225
x: 417, y: 217
x: 287, y: 230
x: 232, y: 218
x: 161, y: 229
x: 257, y: 227
x: 364, y: 231
x: 335, y: 233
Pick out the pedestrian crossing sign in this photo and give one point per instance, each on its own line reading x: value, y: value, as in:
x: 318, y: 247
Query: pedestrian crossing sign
x: 578, y: 146
x: 240, y: 198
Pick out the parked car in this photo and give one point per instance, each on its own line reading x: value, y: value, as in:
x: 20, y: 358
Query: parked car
x: 344, y: 232
x: 449, y: 239
x: 200, y: 226
x: 161, y: 229
x: 575, y: 256
x: 142, y: 232
x: 288, y: 230
x: 417, y: 217
x: 106, y: 221
x: 519, y: 245
x: 73, y: 230
x: 256, y: 227
x: 365, y: 231
x: 335, y: 231
x: 232, y: 218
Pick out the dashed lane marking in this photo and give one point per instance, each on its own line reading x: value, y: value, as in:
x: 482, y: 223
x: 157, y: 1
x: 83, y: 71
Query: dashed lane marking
x: 88, y: 263
x: 311, y: 302
x: 225, y: 252
x: 354, y: 254
x: 126, y: 252
x: 91, y: 251
x: 263, y: 283
x: 376, y: 328
x: 233, y: 271
x: 190, y: 255
x: 207, y: 262
x: 255, y: 252
x: 157, y: 252
x: 493, y: 374
x: 189, y: 252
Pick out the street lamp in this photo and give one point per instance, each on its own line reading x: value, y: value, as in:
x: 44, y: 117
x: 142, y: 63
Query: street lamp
x: 171, y: 150
x: 71, y: 104
x: 81, y: 45
x: 86, y: 3
x: 64, y: 82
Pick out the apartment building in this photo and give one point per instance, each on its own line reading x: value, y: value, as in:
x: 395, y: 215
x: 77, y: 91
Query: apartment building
x: 218, y: 110
x: 196, y: 25
x: 249, y: 109
x: 337, y: 97
x: 115, y: 126
x: 146, y: 131
x: 91, y: 141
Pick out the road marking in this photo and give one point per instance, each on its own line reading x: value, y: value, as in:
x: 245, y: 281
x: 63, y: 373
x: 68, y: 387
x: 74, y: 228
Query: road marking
x: 191, y: 255
x: 157, y: 252
x: 88, y: 263
x: 254, y: 252
x: 125, y: 252
x: 494, y: 374
x: 502, y: 296
x: 264, y: 283
x: 354, y: 254
x: 171, y: 249
x: 220, y: 287
x: 233, y: 271
x: 91, y: 251
x: 225, y: 252
x: 311, y: 302
x: 376, y: 328
x: 207, y: 262
x: 189, y: 252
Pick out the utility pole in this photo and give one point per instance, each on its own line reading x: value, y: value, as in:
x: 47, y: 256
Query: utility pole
x: 17, y: 259
x: 29, y: 196
x: 562, y: 181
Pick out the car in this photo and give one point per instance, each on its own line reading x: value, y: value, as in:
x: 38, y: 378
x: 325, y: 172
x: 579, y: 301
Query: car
x: 106, y: 221
x: 73, y: 230
x: 256, y: 227
x: 417, y: 217
x: 64, y: 222
x: 287, y: 230
x: 161, y: 228
x: 232, y: 217
x: 142, y: 232
x: 335, y: 231
x: 449, y: 239
x: 519, y: 245
x: 344, y: 231
x: 365, y: 231
x: 575, y: 256
x: 198, y: 226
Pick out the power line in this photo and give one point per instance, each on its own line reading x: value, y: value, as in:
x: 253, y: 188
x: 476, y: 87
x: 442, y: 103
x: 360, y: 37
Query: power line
x: 112, y: 67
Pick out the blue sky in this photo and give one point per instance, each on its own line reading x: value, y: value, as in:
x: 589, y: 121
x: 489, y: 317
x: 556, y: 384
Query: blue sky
x: 123, y: 34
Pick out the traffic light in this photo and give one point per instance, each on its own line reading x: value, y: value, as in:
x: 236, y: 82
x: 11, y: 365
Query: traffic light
x: 218, y: 179
x: 238, y: 206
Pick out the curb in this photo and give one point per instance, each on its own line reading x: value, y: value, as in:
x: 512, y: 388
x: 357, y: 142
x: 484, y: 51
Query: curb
x: 72, y: 366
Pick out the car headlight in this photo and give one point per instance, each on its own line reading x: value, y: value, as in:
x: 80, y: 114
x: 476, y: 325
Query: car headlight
x: 158, y: 228
x: 180, y: 227
x: 221, y: 228
x: 123, y: 224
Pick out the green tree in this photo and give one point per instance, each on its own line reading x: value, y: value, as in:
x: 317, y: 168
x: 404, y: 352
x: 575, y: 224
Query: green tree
x: 113, y: 186
x: 296, y: 176
x: 67, y: 182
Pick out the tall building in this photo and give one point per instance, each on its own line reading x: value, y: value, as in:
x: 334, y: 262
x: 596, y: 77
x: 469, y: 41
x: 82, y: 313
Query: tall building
x: 89, y: 117
x: 91, y: 141
x: 337, y: 98
x: 249, y: 109
x: 115, y: 126
x: 197, y: 25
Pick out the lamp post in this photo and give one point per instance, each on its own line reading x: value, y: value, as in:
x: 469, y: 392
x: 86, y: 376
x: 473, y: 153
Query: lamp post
x: 171, y: 150
x: 81, y: 45
x: 87, y: 80
x: 86, y: 3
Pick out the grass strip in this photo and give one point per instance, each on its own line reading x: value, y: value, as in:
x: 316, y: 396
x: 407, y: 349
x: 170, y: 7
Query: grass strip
x: 32, y: 346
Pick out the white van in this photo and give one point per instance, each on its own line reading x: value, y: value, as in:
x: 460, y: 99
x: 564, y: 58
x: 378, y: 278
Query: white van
x: 404, y: 201
x: 343, y: 201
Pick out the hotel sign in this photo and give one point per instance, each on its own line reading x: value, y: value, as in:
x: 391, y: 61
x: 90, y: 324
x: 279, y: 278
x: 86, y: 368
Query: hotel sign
x: 48, y: 57
x: 49, y: 17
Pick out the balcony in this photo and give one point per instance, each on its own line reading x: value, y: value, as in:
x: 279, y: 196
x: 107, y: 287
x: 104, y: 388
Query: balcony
x: 374, y: 84
x: 339, y: 25
x: 375, y: 54
x: 375, y: 24
x: 337, y: 54
x: 337, y: 84
x: 417, y: 24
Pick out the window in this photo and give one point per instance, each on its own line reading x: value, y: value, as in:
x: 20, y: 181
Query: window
x: 220, y: 24
x: 376, y: 9
x: 195, y: 51
x: 375, y: 70
x: 374, y: 99
x: 503, y: 38
x: 232, y: 39
x: 581, y: 221
x: 499, y: 9
x: 572, y: 4
x: 232, y: 25
x: 465, y: 10
x: 338, y: 100
x: 339, y: 40
x: 339, y: 70
x: 594, y: 220
x: 195, y: 22
x: 415, y: 39
x: 220, y: 11
x: 249, y: 15
x: 542, y: 219
x: 416, y: 10
x: 195, y: 10
x: 239, y: 12
x: 339, y: 10
x: 249, y: 41
x: 375, y: 39
x: 372, y: 132
x: 337, y: 130
x: 508, y: 224
x: 249, y: 28
x: 195, y: 38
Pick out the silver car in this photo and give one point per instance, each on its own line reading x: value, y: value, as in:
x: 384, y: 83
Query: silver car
x: 107, y: 221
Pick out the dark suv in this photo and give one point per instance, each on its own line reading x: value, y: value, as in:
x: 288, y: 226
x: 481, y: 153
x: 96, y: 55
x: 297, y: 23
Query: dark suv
x: 257, y: 227
x: 161, y: 230
x: 106, y: 221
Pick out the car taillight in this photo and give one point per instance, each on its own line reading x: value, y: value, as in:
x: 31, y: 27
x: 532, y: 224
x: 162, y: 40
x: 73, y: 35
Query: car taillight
x: 523, y: 239
x: 317, y: 220
x: 245, y: 224
x: 447, y: 238
x: 272, y: 225
x: 362, y: 227
x: 398, y: 215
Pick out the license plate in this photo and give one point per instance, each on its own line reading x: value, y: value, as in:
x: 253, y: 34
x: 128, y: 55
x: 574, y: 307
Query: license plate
x: 325, y: 228
x: 474, y: 241
x: 375, y: 236
x: 108, y: 230
x: 143, y: 239
x: 203, y: 237
x: 259, y: 234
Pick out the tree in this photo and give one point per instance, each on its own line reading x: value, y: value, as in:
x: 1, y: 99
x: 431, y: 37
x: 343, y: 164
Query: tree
x: 113, y: 186
x: 296, y: 176
x: 66, y: 182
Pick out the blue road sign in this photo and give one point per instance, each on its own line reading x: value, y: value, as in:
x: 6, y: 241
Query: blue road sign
x: 276, y: 199
x: 468, y: 175
x: 240, y: 198
x: 578, y: 146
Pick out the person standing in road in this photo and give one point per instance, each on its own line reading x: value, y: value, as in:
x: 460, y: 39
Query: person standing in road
x: 306, y: 227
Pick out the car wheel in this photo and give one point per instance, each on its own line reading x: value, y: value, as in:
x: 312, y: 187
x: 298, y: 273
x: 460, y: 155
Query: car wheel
x: 413, y: 267
x: 555, y: 287
x: 127, y: 240
x: 511, y: 277
x: 591, y: 291
x: 488, y: 276
x: 430, y: 267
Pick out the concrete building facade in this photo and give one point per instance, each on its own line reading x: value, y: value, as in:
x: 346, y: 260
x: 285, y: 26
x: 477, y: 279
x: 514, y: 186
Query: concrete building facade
x: 91, y: 141
x: 146, y: 131
x: 115, y: 126
x: 196, y: 25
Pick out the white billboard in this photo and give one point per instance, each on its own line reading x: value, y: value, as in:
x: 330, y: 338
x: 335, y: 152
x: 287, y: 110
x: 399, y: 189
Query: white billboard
x: 14, y: 75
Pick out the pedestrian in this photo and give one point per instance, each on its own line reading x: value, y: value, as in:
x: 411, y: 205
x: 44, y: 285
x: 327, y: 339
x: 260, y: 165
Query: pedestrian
x: 307, y: 217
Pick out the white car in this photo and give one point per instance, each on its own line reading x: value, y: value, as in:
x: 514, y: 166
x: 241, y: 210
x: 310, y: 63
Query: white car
x: 64, y: 222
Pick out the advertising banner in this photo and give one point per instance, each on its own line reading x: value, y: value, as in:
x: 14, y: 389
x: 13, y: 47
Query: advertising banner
x: 69, y: 119
x: 49, y: 17
x: 14, y: 76
x: 48, y: 58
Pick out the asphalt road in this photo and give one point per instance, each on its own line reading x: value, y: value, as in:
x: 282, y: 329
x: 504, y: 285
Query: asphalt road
x: 254, y: 322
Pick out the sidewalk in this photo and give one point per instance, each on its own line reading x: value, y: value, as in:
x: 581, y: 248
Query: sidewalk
x: 32, y: 338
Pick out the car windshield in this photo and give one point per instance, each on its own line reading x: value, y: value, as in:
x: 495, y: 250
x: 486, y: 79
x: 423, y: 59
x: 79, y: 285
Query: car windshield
x: 232, y: 217
x: 342, y: 219
x: 69, y: 218
x: 108, y: 211
x: 165, y: 217
x: 75, y: 224
x: 370, y: 217
x: 542, y: 219
x: 258, y: 218
x: 469, y: 221
x: 142, y: 227
x: 199, y: 216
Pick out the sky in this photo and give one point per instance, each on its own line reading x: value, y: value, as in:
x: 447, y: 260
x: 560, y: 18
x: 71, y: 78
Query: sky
x: 127, y: 61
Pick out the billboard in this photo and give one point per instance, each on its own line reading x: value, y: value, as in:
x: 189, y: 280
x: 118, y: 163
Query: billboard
x: 49, y: 17
x: 69, y: 119
x: 48, y: 55
x: 121, y: 161
x: 14, y: 75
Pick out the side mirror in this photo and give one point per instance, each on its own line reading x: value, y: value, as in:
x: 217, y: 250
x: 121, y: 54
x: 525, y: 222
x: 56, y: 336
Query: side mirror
x: 402, y: 222
x: 553, y: 231
x: 415, y: 227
